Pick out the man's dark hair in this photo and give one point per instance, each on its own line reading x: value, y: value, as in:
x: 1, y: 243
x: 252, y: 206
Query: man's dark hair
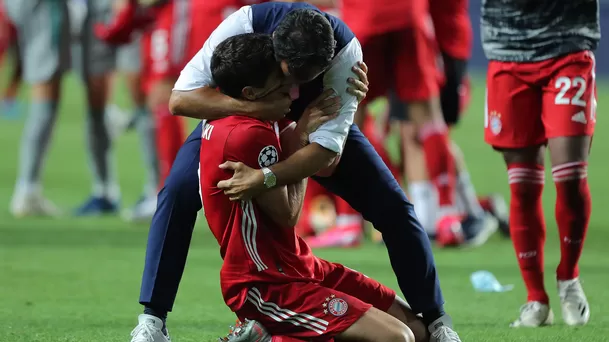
x: 304, y: 39
x: 243, y: 60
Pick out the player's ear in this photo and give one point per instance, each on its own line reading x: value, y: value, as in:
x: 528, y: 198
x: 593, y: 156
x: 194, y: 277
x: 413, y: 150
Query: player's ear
x: 249, y: 93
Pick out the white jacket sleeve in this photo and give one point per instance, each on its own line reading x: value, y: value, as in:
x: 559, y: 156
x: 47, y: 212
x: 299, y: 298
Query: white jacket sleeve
x: 333, y: 134
x: 197, y: 73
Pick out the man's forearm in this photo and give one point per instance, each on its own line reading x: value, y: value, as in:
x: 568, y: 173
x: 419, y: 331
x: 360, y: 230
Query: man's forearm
x: 304, y: 163
x: 205, y: 104
x: 296, y: 191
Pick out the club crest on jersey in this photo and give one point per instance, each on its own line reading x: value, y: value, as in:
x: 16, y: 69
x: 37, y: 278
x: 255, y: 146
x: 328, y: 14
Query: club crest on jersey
x: 495, y: 121
x: 335, y: 306
x: 268, y: 156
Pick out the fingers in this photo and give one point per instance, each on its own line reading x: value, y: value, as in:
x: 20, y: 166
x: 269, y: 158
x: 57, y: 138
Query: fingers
x: 329, y: 102
x: 328, y: 117
x: 363, y: 66
x: 361, y: 75
x: 229, y: 165
x: 330, y: 110
x: 225, y: 184
x: 358, y: 85
x: 325, y: 95
x: 360, y: 95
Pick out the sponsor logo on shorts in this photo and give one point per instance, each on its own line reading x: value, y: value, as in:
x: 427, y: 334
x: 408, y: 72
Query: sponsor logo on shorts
x: 335, y: 306
x: 495, y: 122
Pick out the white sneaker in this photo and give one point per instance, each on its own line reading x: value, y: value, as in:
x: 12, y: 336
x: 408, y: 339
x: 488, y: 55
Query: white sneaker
x: 117, y: 120
x: 149, y: 329
x: 143, y: 210
x: 441, y: 330
x: 534, y: 314
x: 575, y: 309
x: 32, y: 204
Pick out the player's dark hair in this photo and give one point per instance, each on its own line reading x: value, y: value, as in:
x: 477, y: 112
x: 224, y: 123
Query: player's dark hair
x: 243, y: 60
x: 304, y: 39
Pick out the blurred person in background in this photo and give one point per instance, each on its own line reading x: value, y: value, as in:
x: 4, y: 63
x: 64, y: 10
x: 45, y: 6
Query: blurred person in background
x: 541, y: 92
x: 44, y: 37
x: 10, y: 107
x: 452, y: 34
x: 95, y: 61
x: 384, y: 29
x: 172, y: 33
x: 328, y: 220
x: 129, y: 64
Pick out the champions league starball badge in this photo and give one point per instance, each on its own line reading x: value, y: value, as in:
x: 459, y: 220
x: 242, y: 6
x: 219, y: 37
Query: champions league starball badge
x: 268, y: 156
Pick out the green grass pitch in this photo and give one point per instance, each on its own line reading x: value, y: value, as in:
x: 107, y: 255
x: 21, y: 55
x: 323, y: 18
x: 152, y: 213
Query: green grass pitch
x: 78, y: 279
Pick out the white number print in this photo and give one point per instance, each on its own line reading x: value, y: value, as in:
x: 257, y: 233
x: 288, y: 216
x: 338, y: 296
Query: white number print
x: 159, y: 45
x: 565, y: 84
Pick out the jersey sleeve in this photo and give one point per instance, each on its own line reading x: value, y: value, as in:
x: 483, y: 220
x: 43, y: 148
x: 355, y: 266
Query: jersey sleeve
x: 255, y: 145
x: 333, y: 134
x: 197, y: 73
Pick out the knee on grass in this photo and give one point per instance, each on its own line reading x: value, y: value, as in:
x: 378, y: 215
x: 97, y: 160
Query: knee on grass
x: 377, y: 326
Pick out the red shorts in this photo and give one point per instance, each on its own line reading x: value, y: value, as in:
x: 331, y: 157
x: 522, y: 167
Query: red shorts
x: 315, y: 312
x: 180, y: 30
x: 8, y: 32
x: 405, y: 61
x: 528, y: 103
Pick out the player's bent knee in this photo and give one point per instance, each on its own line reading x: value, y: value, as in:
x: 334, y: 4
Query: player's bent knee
x: 402, y: 311
x: 377, y: 326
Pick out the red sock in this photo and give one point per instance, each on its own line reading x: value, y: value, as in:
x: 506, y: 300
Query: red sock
x: 440, y: 162
x: 169, y: 139
x: 485, y: 203
x: 573, y: 207
x: 527, y: 225
x: 376, y: 140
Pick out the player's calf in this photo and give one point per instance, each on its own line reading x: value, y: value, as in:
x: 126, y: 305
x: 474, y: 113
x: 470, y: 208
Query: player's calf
x: 376, y: 325
x: 573, y: 206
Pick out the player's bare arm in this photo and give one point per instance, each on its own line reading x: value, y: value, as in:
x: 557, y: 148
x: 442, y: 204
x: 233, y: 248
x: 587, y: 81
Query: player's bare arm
x: 284, y: 204
x: 326, y: 143
x: 207, y: 103
x: 320, y: 111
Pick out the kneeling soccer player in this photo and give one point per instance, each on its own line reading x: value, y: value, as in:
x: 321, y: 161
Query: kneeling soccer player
x: 269, y: 274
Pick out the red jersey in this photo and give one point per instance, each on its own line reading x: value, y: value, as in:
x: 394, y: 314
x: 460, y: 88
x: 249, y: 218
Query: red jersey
x: 367, y: 18
x: 453, y: 27
x: 255, y: 249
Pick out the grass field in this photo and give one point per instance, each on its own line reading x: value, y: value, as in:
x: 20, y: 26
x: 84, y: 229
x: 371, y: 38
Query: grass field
x: 78, y: 279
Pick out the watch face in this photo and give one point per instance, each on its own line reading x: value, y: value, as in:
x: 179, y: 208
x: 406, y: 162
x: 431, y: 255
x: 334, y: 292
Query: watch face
x: 269, y: 178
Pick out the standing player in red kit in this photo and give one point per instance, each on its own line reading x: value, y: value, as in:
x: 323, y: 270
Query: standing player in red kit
x: 541, y: 92
x: 399, y: 45
x: 268, y: 270
x: 180, y: 30
x: 174, y: 31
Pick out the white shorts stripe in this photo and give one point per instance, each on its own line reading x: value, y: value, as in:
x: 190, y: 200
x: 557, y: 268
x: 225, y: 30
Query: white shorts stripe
x: 290, y: 312
x: 267, y: 309
x: 267, y: 312
x: 250, y: 208
x: 249, y: 228
x: 282, y: 318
